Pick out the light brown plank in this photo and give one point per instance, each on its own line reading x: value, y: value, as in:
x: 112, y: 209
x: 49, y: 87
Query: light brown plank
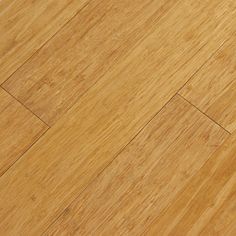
x: 19, y: 129
x: 79, y: 146
x: 213, y: 88
x: 223, y: 222
x: 25, y: 25
x: 97, y: 38
x: 144, y: 178
x: 206, y: 206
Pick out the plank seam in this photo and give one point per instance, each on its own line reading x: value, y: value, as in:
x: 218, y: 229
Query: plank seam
x: 59, y: 29
x: 31, y: 145
x: 25, y: 106
x: 205, y: 114
x: 213, y: 54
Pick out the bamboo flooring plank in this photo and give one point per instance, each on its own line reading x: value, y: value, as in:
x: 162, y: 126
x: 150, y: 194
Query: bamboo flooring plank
x: 213, y: 88
x: 223, y: 222
x: 206, y: 206
x: 25, y: 25
x: 146, y: 176
x: 19, y: 129
x: 84, y: 141
x: 67, y: 66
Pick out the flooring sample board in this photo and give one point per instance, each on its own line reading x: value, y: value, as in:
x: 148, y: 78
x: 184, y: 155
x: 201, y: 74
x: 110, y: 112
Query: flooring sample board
x: 94, y: 131
x: 19, y: 129
x: 25, y: 25
x: 100, y: 37
x: 207, y: 204
x: 67, y: 66
x: 213, y: 88
x: 146, y: 176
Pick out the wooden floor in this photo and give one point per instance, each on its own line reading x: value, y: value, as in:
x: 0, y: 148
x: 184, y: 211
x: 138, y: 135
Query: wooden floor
x: 118, y: 117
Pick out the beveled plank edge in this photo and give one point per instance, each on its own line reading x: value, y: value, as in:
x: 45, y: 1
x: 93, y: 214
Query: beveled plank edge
x: 44, y: 131
x: 24, y: 106
x: 205, y: 114
x: 193, y: 77
x: 27, y: 149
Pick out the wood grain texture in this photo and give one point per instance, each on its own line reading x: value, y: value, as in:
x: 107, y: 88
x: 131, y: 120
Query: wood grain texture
x: 207, y: 204
x: 19, y: 129
x: 213, y: 88
x: 97, y: 38
x: 54, y: 79
x: 136, y: 187
x: 84, y: 141
x: 25, y: 25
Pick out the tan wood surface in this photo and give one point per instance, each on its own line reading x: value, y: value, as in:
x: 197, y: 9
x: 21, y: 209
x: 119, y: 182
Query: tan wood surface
x: 96, y: 39
x: 213, y: 89
x: 25, y: 25
x: 207, y: 204
x: 58, y: 74
x: 136, y: 187
x: 140, y: 100
x: 19, y: 129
